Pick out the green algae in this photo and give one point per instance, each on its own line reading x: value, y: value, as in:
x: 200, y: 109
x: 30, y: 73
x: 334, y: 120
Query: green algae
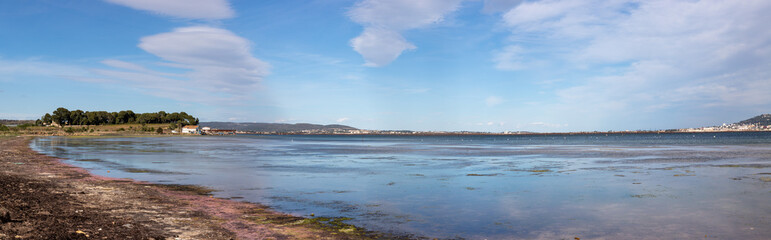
x: 483, y: 175
x: 333, y: 224
x: 743, y: 166
x: 642, y: 196
x: 198, y: 190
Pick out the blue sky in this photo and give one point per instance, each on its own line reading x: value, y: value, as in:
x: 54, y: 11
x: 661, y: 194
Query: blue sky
x: 480, y: 65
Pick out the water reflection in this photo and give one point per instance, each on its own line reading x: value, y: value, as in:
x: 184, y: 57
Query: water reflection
x: 669, y: 186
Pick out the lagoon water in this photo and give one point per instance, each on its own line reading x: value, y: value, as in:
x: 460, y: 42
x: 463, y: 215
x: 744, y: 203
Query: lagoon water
x: 633, y: 186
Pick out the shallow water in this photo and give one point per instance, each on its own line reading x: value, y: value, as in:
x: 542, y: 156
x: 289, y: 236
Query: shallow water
x: 638, y: 186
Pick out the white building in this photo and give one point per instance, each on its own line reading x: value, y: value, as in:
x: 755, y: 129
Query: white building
x: 191, y: 129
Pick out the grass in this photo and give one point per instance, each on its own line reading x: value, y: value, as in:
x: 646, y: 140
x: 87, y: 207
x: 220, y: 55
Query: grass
x: 91, y: 130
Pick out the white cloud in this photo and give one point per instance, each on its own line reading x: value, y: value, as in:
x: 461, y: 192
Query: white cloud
x: 379, y: 46
x: 192, y: 9
x: 493, y: 101
x: 217, y: 67
x: 341, y: 120
x: 382, y: 42
x: 653, y: 54
x: 218, y: 60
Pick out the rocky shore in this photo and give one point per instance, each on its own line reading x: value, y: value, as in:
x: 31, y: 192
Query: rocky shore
x: 43, y: 198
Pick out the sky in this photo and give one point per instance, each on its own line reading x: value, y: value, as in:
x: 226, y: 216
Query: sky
x: 432, y: 65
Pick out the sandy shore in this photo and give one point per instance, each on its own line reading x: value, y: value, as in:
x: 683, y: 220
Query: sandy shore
x: 43, y: 198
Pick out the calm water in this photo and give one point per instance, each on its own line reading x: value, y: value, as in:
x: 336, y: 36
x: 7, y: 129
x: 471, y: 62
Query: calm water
x: 640, y: 186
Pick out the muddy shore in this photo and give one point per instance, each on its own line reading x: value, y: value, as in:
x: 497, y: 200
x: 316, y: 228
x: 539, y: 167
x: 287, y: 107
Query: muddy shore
x: 43, y: 198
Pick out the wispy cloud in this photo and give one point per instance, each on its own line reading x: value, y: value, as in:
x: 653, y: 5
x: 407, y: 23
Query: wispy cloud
x: 489, y: 124
x: 416, y: 90
x: 509, y: 58
x: 191, y: 9
x: 662, y: 54
x: 37, y: 67
x: 493, y: 101
x: 342, y: 120
x: 382, y: 42
x: 492, y: 6
x: 546, y: 125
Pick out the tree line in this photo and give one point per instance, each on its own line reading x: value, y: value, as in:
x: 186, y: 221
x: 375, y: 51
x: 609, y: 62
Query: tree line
x: 63, y: 116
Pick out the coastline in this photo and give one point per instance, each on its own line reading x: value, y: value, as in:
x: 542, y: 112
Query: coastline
x: 48, y: 199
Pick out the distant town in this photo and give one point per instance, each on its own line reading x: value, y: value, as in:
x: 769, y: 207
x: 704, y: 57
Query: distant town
x: 127, y: 122
x: 758, y: 123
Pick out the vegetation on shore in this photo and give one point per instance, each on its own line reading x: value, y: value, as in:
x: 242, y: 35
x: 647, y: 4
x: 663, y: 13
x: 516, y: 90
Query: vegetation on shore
x: 78, y: 122
x: 89, y: 130
x: 62, y: 116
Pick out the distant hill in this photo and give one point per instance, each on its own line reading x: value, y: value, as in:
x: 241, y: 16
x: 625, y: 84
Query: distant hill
x: 762, y: 120
x: 272, y: 127
x: 16, y: 122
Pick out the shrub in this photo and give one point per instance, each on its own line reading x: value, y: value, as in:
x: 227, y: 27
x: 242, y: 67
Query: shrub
x: 3, y: 128
x: 24, y: 126
x: 159, y: 130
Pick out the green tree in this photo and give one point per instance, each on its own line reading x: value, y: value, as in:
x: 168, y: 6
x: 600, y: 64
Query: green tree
x: 77, y: 117
x: 47, y: 119
x: 61, y: 116
x: 159, y: 130
x: 3, y: 128
x: 125, y: 117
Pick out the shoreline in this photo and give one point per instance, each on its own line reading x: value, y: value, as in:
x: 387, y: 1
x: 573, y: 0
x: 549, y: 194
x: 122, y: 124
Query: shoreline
x: 47, y: 198
x: 116, y: 131
x: 493, y: 134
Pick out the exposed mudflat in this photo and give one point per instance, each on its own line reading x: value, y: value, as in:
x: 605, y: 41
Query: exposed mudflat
x: 42, y: 198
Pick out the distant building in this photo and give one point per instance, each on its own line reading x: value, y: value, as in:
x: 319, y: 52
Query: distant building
x: 191, y: 129
x: 221, y: 132
x: 205, y: 130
